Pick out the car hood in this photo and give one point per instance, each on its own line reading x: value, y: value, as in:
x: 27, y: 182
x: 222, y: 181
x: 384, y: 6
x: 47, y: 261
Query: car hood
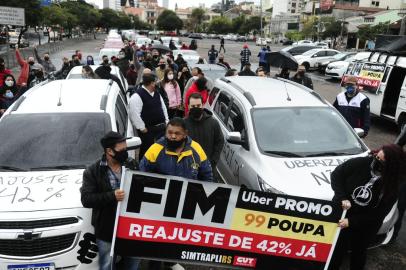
x: 40, y: 190
x: 305, y: 177
x: 338, y: 63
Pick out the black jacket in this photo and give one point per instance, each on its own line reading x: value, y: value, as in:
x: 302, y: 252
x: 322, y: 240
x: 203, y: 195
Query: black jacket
x: 208, y: 134
x: 246, y: 72
x: 306, y: 81
x: 346, y: 180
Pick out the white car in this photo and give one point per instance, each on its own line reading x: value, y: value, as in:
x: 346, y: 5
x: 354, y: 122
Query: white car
x: 260, y: 42
x: 142, y: 41
x: 76, y: 73
x: 50, y: 134
x: 167, y: 40
x: 310, y: 58
x: 109, y: 52
x: 339, y: 68
x: 269, y: 143
x: 303, y: 42
x: 190, y: 56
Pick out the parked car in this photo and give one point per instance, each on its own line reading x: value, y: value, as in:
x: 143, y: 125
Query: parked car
x: 43, y: 223
x: 287, y: 42
x: 269, y: 145
x: 322, y: 65
x: 190, y: 56
x: 176, y: 41
x: 310, y: 58
x: 195, y: 36
x: 260, y: 42
x: 338, y: 68
x: 298, y: 50
x: 303, y: 42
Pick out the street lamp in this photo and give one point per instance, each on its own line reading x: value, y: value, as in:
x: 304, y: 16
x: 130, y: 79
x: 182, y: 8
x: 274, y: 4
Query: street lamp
x: 261, y: 15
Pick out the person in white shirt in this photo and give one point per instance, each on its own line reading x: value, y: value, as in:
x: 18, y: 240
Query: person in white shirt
x: 148, y: 113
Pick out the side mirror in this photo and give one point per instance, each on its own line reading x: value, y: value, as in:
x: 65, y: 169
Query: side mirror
x: 133, y: 143
x: 360, y: 132
x: 234, y: 138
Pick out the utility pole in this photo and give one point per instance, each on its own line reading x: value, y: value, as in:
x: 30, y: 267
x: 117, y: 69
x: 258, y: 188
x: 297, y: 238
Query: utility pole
x: 402, y: 13
x: 261, y: 16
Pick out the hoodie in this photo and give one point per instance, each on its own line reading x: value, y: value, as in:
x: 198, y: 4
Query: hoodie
x: 208, y: 134
x: 193, y: 89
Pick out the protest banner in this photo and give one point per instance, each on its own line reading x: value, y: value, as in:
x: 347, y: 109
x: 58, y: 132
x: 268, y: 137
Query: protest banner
x: 175, y: 219
x: 369, y: 76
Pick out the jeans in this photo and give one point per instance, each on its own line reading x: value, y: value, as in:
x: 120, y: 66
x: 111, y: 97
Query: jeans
x: 212, y: 61
x: 106, y: 261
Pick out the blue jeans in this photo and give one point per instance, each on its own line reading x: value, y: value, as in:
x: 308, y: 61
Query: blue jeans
x: 212, y: 61
x: 106, y: 261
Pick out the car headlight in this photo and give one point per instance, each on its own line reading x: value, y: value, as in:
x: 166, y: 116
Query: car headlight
x: 264, y: 186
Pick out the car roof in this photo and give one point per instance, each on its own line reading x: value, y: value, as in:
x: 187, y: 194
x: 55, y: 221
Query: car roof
x: 209, y: 67
x: 78, y: 69
x: 270, y: 92
x: 76, y: 95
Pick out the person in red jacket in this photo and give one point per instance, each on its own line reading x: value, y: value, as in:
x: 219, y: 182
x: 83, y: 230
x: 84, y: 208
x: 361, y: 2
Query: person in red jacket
x: 28, y: 68
x: 199, y: 86
x: 3, y: 71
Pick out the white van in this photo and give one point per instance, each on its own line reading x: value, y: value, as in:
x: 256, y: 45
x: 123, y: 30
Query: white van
x: 382, y: 77
x: 49, y: 135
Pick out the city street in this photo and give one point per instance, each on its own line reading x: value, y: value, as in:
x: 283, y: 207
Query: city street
x: 392, y: 256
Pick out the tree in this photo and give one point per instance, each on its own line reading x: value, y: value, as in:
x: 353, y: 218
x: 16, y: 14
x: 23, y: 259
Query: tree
x: 108, y: 18
x: 294, y: 35
x: 124, y: 21
x: 169, y: 21
x: 332, y: 27
x: 237, y: 24
x: 197, y: 16
x: 220, y: 25
x: 310, y: 27
x: 138, y: 24
x: 253, y: 24
x: 369, y: 32
x: 54, y: 16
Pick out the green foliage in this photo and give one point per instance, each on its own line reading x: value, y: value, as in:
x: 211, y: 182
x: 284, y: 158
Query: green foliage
x: 237, y: 25
x: 332, y: 27
x: 253, y: 24
x: 294, y: 35
x: 220, y: 25
x: 197, y: 17
x: 310, y: 27
x: 169, y: 21
x: 369, y: 32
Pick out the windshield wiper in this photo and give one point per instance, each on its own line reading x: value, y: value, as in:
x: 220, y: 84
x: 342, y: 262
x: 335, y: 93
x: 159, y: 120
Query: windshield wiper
x: 323, y: 154
x: 11, y: 168
x: 58, y: 167
x: 283, y: 153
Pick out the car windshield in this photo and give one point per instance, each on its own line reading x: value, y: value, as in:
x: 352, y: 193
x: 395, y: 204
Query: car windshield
x: 339, y: 56
x: 292, y: 131
x: 214, y: 74
x: 51, y: 140
x: 310, y: 52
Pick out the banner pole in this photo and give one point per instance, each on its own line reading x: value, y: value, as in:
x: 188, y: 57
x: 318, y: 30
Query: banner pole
x: 334, y: 243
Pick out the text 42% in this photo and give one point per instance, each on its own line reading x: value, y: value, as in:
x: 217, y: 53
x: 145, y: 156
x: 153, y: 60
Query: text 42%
x: 275, y: 247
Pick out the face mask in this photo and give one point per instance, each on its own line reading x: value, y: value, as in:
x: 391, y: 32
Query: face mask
x: 350, y: 89
x: 162, y: 66
x: 66, y: 64
x: 301, y: 73
x: 155, y: 56
x: 9, y: 83
x: 221, y: 59
x: 196, y: 113
x: 46, y: 58
x: 9, y: 94
x: 195, y: 77
x: 173, y: 145
x: 39, y: 74
x: 170, y: 76
x: 121, y: 56
x: 31, y: 63
x: 121, y: 156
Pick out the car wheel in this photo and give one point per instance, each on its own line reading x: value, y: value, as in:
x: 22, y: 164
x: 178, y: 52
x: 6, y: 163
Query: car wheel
x: 306, y: 65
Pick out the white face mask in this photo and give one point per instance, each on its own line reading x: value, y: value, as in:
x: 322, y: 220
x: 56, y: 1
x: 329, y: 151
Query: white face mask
x: 9, y: 83
x: 170, y: 76
x: 195, y: 77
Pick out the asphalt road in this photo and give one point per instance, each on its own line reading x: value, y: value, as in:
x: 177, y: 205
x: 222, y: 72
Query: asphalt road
x: 388, y: 257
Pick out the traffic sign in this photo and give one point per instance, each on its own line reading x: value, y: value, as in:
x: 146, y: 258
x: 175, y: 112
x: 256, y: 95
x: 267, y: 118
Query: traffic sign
x: 12, y: 16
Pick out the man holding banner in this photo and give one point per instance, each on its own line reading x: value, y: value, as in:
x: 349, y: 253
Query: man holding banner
x: 101, y: 192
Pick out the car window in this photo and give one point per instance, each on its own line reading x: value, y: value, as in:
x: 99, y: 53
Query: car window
x: 213, y: 94
x: 221, y: 106
x: 320, y: 54
x: 331, y: 53
x: 121, y: 116
x: 235, y: 121
x: 54, y: 139
x: 331, y: 134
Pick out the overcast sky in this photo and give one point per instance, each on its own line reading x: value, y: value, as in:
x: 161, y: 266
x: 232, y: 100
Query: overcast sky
x: 181, y: 3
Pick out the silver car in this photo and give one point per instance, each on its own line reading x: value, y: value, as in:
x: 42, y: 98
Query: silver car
x: 282, y: 137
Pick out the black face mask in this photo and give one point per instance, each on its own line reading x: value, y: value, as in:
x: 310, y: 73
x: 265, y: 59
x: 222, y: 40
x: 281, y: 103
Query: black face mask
x: 46, y: 58
x: 301, y: 73
x: 162, y: 66
x: 196, y: 113
x: 121, y: 156
x: 31, y: 63
x: 106, y: 61
x: 173, y: 145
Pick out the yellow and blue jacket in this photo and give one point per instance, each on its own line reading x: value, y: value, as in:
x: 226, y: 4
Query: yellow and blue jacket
x: 191, y: 163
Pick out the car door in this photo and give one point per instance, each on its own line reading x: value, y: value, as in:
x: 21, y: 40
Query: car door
x: 220, y: 112
x: 330, y: 55
x: 234, y: 153
x: 317, y: 57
